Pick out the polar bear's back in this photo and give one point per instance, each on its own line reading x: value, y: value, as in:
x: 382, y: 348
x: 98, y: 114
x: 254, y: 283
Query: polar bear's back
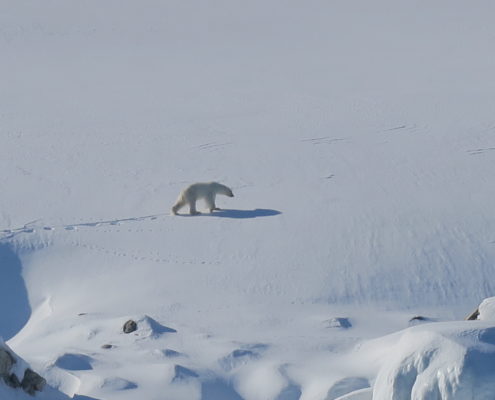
x: 204, y: 189
x: 199, y: 190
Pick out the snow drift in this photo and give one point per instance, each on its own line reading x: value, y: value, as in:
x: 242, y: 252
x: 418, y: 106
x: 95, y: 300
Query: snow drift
x: 447, y: 361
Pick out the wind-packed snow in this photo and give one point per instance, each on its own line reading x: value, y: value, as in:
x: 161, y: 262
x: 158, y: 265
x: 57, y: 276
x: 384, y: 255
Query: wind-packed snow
x: 454, y: 361
x: 358, y: 138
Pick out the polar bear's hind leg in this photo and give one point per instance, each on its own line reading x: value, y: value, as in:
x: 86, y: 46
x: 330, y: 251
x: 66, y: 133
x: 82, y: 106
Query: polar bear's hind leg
x: 191, y: 200
x: 178, y: 205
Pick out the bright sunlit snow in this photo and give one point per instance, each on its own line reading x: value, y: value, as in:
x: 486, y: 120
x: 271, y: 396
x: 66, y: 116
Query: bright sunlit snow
x: 358, y: 139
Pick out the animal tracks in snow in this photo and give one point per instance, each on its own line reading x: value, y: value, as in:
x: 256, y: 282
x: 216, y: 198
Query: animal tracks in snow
x: 405, y: 128
x: 153, y: 257
x: 476, y: 152
x: 323, y: 140
x: 213, y: 146
x: 31, y: 227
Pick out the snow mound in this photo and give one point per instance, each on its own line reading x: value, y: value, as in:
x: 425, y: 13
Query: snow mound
x: 487, y: 309
x: 448, y: 361
x: 150, y: 328
x: 242, y: 356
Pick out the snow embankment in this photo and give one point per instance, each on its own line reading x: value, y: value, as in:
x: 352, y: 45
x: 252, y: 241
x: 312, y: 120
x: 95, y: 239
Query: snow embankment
x: 447, y: 361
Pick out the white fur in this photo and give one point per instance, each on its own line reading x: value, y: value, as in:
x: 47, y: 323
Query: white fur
x: 206, y: 191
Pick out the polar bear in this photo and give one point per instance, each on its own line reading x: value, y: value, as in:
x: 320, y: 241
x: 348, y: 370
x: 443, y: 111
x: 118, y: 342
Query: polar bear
x: 206, y: 191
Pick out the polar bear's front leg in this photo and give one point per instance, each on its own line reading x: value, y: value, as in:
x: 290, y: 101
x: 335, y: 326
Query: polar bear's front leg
x: 210, y: 203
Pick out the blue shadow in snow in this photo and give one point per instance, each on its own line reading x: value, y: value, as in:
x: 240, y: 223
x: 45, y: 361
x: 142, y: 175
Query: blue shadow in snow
x: 238, y: 214
x: 74, y: 362
x: 14, y: 304
x: 218, y: 390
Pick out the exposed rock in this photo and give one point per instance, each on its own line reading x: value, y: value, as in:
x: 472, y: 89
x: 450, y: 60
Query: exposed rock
x: 130, y: 326
x: 338, y: 322
x: 473, y: 316
x: 107, y: 346
x: 6, y: 362
x: 12, y: 380
x: 32, y: 382
x: 418, y: 319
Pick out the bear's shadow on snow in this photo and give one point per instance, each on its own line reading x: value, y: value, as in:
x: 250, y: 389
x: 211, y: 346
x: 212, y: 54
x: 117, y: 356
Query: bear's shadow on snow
x: 14, y: 305
x: 239, y: 214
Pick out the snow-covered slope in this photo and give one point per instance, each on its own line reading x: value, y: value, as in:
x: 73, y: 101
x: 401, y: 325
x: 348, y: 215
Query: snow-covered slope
x: 358, y: 138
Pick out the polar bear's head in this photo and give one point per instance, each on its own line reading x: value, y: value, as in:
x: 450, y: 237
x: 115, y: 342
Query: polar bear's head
x: 222, y: 189
x: 227, y: 192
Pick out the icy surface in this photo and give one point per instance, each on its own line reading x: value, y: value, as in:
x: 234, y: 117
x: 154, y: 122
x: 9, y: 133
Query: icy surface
x: 358, y: 138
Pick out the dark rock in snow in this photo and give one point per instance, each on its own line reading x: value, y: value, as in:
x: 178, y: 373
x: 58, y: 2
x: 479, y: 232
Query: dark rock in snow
x: 6, y: 362
x: 130, y: 326
x: 473, y: 316
x: 12, y: 380
x: 338, y: 322
x: 107, y: 346
x: 32, y: 382
x: 418, y: 318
